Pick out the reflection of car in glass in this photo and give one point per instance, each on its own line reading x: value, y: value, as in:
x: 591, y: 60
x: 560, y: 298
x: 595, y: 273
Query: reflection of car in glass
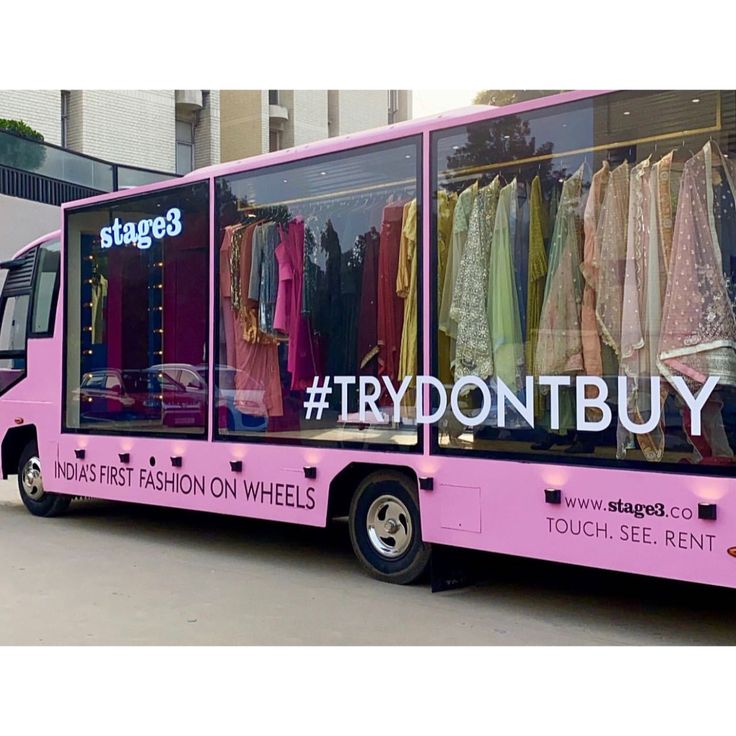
x: 183, y: 394
x: 150, y: 394
x: 228, y: 415
x: 103, y: 396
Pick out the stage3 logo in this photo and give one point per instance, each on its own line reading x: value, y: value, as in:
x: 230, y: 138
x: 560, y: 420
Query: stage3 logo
x: 142, y: 233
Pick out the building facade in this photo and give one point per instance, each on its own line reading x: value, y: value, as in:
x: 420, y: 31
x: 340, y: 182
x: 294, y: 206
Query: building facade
x: 166, y: 130
x: 103, y: 140
x: 257, y: 121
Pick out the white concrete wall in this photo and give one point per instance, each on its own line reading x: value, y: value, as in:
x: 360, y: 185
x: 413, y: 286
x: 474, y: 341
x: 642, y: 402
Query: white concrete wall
x: 307, y: 116
x: 207, y: 133
x: 22, y: 221
x: 361, y: 109
x: 39, y: 108
x: 134, y: 127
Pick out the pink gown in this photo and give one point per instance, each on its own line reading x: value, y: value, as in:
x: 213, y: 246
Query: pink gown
x: 257, y: 384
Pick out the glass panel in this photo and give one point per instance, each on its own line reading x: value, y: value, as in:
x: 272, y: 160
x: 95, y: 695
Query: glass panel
x: 184, y: 162
x: 318, y: 278
x: 183, y: 132
x: 44, y: 295
x: 130, y: 177
x: 13, y: 325
x: 586, y: 261
x: 137, y: 313
x: 56, y: 163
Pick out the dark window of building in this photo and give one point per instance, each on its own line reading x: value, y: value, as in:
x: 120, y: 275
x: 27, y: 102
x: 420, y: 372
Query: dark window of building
x: 184, y: 146
x: 65, y: 99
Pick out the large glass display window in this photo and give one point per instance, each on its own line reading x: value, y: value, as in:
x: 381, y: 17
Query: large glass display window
x: 317, y: 280
x: 137, y: 311
x: 585, y: 262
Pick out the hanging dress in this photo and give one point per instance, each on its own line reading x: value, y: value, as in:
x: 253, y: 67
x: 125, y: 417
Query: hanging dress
x: 460, y: 224
x: 536, y: 274
x: 591, y: 340
x: 698, y: 337
x: 559, y: 347
x: 446, y: 210
x: 406, y: 288
x: 502, y: 302
x: 473, y: 349
x: 611, y: 237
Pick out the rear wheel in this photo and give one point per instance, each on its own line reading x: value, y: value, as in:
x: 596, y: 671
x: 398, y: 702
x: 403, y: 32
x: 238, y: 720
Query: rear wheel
x: 30, y: 484
x: 385, y: 528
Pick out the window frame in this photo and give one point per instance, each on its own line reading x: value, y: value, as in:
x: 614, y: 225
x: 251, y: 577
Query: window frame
x: 19, y: 354
x: 65, y: 105
x: 188, y: 143
x: 418, y: 447
x: 203, y: 436
x: 535, y: 457
x: 49, y: 332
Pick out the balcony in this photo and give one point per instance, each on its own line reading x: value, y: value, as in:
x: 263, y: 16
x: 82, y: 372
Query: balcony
x: 53, y: 175
x: 277, y: 115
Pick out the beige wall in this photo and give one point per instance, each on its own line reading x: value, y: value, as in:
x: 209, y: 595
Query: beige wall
x: 312, y: 115
x: 243, y: 123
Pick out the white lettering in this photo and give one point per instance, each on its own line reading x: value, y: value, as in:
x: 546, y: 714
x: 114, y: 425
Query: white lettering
x: 129, y: 233
x: 430, y: 382
x: 482, y: 415
x: 159, y: 228
x: 595, y: 402
x: 654, y: 399
x: 369, y: 400
x: 139, y: 233
x: 174, y: 217
x: 554, y: 382
x: 526, y: 410
x: 344, y: 382
x: 106, y: 237
x: 397, y: 396
x: 695, y: 403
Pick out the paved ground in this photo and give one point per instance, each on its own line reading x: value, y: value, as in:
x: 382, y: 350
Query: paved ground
x: 122, y: 574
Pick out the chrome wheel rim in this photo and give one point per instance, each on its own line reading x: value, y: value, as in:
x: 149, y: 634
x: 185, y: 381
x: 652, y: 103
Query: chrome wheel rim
x: 389, y: 527
x: 31, y: 479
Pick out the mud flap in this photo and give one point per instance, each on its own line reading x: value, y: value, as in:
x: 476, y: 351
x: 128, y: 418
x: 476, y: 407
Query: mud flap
x: 452, y: 568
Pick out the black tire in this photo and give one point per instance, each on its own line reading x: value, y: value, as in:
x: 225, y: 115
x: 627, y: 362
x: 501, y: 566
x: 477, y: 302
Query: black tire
x: 393, y: 494
x: 41, y: 503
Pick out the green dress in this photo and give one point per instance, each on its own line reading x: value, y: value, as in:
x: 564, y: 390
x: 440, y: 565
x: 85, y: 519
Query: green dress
x: 502, y: 302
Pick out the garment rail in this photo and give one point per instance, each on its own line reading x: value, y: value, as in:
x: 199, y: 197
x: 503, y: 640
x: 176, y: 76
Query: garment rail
x: 470, y: 172
x: 345, y: 194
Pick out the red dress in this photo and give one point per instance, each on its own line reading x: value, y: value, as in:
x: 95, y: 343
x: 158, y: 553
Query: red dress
x: 390, y: 304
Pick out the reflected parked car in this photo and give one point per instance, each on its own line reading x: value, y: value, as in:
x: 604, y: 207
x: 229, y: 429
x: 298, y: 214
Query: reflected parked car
x: 150, y: 394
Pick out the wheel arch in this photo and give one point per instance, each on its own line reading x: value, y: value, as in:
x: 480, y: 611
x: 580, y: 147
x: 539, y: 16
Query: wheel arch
x: 345, y: 483
x: 16, y: 438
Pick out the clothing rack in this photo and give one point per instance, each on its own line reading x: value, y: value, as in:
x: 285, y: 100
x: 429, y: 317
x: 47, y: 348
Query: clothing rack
x: 469, y: 172
x: 345, y: 194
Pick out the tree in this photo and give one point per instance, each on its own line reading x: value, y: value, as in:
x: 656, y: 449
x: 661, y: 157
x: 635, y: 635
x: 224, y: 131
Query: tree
x: 20, y: 149
x: 500, y: 97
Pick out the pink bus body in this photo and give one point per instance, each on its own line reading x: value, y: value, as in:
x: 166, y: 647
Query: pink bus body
x: 487, y: 503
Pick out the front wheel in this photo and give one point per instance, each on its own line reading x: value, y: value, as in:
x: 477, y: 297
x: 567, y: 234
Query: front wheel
x: 385, y: 528
x: 30, y: 484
